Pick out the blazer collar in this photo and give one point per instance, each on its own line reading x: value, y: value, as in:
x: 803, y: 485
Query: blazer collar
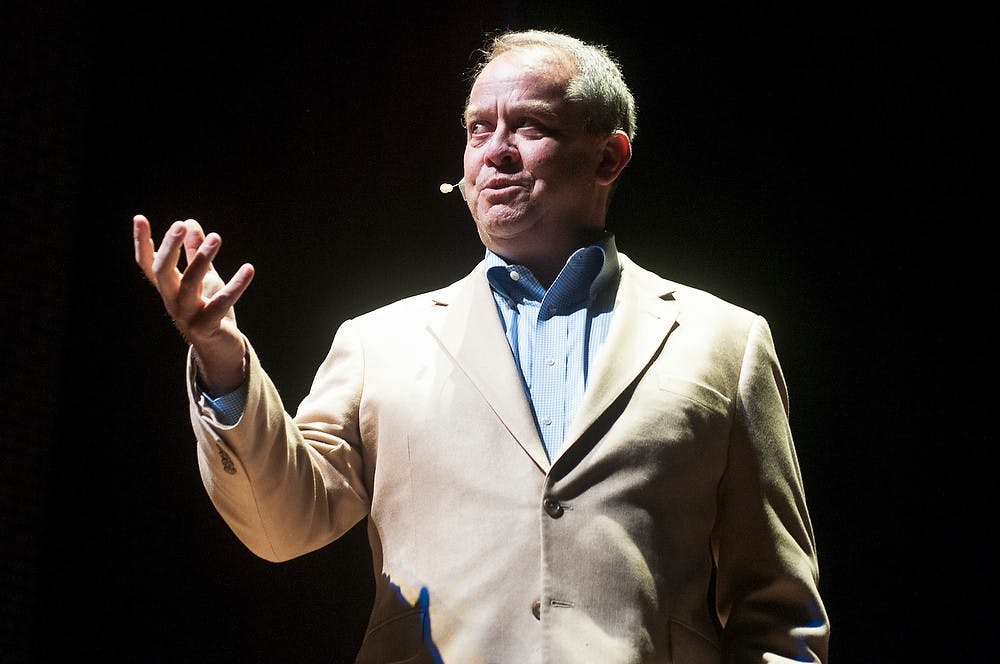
x: 469, y: 330
x: 645, y: 313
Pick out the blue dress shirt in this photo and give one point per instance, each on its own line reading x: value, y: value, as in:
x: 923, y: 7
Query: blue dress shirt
x: 556, y: 334
x: 228, y: 407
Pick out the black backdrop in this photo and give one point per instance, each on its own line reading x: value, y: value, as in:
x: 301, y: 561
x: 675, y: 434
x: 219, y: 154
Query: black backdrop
x: 798, y: 162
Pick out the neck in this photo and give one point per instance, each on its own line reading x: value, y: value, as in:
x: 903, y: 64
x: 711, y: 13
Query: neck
x: 546, y: 260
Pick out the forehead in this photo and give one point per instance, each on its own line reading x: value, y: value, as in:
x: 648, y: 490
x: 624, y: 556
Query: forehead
x: 530, y: 77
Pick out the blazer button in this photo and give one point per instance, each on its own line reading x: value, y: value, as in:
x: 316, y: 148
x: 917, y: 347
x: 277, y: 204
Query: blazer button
x: 552, y: 508
x: 536, y: 609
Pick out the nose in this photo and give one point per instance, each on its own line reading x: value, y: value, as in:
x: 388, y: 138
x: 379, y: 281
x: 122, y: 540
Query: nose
x: 500, y: 150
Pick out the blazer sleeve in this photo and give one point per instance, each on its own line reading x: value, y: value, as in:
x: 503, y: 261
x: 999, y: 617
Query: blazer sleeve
x: 287, y: 488
x: 767, y: 580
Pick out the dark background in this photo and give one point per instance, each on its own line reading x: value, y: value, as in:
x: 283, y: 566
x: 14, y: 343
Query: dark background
x: 811, y: 165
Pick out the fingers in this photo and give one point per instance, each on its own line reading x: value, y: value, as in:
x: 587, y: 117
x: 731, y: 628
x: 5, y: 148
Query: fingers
x: 164, y: 266
x: 225, y: 298
x: 201, y: 277
x: 195, y: 236
x: 197, y: 295
x: 143, y: 241
x: 200, y: 254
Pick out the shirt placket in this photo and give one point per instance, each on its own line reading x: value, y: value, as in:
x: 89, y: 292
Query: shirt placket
x: 549, y: 358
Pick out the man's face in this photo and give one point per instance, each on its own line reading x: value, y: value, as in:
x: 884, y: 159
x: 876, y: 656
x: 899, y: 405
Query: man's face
x: 529, y: 165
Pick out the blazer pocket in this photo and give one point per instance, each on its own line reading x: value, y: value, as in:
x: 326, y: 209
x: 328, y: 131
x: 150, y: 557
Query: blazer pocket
x: 396, y: 640
x: 697, y: 392
x: 688, y: 646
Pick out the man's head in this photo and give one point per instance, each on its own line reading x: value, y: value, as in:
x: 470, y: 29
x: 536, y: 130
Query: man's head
x: 596, y: 81
x: 549, y: 123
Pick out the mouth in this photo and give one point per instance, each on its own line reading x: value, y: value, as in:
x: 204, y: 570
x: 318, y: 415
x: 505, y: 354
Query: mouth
x: 503, y: 194
x: 502, y: 188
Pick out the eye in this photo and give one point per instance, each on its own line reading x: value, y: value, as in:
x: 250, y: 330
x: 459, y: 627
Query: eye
x: 533, y: 128
x: 478, y: 132
x: 477, y: 128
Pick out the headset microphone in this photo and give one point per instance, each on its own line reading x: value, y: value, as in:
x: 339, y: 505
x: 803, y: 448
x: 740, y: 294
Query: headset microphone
x: 448, y: 188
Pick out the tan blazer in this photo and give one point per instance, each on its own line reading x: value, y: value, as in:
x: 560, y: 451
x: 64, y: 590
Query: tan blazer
x: 680, y: 463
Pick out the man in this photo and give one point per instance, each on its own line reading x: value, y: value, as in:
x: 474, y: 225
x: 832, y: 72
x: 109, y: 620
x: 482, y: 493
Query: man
x: 562, y: 457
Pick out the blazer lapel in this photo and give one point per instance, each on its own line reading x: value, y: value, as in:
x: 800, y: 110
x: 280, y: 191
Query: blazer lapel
x: 470, y: 332
x: 644, y: 316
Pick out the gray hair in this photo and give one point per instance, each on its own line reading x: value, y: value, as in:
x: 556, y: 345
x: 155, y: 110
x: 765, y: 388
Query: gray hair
x: 597, y: 85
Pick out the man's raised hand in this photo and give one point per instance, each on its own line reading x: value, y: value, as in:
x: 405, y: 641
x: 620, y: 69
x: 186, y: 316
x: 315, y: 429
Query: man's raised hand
x: 196, y: 298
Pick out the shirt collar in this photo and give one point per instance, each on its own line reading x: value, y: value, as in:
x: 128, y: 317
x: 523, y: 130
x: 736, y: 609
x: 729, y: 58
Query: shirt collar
x: 590, y: 276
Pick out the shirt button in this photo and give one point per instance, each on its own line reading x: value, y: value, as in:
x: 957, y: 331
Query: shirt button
x: 552, y: 508
x: 536, y: 609
x: 549, y: 361
x: 514, y: 276
x: 547, y: 420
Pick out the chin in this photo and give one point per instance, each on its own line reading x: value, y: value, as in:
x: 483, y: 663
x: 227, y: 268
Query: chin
x: 502, y: 230
x: 507, y: 212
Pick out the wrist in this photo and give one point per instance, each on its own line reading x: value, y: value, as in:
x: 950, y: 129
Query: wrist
x: 220, y: 371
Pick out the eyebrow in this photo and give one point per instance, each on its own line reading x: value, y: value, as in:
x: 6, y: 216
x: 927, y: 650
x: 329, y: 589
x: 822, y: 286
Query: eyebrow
x: 541, y: 109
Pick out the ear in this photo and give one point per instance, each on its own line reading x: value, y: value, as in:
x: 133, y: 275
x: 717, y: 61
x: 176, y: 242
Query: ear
x: 615, y: 155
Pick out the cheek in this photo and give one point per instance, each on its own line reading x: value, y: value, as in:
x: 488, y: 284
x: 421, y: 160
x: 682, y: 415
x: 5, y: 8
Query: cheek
x: 553, y: 163
x: 469, y: 171
x: 470, y: 165
x: 570, y: 165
